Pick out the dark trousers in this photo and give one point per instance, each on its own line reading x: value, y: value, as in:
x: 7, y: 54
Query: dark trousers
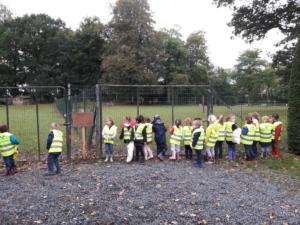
x: 139, y: 150
x: 53, y: 161
x: 188, y: 152
x: 219, y: 149
x: 198, y: 162
x: 249, y: 152
x: 254, y: 149
x: 9, y: 163
x: 161, y: 149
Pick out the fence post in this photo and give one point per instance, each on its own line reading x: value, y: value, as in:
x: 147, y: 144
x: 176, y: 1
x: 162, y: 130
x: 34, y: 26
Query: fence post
x: 210, y: 99
x: 68, y: 121
x: 7, y: 108
x: 203, y: 104
x: 38, y: 128
x: 137, y: 101
x: 98, y: 135
x: 172, y: 102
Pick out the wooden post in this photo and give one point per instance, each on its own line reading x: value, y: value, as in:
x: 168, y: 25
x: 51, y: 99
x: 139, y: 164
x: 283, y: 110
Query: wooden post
x: 83, y: 143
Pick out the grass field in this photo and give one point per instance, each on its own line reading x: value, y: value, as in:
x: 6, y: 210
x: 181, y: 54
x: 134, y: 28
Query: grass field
x: 23, y: 121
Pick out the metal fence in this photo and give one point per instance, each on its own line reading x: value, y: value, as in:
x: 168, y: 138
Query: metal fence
x: 29, y: 111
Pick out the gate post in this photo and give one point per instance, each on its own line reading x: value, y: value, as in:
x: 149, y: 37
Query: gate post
x: 210, y: 99
x: 7, y: 109
x: 68, y: 110
x: 98, y: 122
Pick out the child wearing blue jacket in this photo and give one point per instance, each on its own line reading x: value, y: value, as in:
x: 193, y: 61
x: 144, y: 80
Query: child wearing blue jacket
x: 160, y: 130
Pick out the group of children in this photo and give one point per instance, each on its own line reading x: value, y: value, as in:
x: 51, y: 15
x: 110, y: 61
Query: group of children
x: 206, y: 143
x: 9, y: 149
x: 137, y: 135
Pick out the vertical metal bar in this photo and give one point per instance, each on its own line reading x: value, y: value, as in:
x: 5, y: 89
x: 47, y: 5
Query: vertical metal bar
x: 38, y: 128
x: 84, y: 99
x: 7, y: 108
x: 68, y: 120
x: 97, y: 122
x: 100, y: 121
x: 172, y: 100
x: 203, y: 103
x: 210, y: 99
x: 137, y: 101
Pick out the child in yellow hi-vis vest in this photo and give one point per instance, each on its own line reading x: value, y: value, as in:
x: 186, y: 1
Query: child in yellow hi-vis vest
x: 187, y: 137
x: 54, y: 147
x: 265, y: 130
x: 211, y: 138
x: 176, y: 137
x: 8, y: 144
x: 109, y: 133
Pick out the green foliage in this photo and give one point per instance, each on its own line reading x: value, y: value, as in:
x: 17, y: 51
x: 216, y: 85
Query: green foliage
x: 294, y: 104
x: 253, y: 19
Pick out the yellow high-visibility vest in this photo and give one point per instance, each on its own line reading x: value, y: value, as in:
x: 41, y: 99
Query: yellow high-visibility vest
x: 248, y: 139
x: 222, y: 132
x: 57, y: 142
x: 212, y: 135
x: 228, y: 130
x: 257, y: 133
x: 6, y: 147
x: 109, y: 134
x: 177, y: 136
x: 149, y: 132
x: 200, y: 143
x: 127, y: 133
x: 273, y: 130
x: 265, y: 130
x: 138, y: 133
x: 187, y: 134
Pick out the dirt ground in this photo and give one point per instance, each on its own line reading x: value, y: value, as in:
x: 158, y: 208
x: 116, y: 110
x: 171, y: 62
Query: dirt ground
x: 149, y: 193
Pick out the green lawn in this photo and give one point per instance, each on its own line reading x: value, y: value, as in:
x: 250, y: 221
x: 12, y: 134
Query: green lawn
x: 23, y: 124
x: 23, y: 119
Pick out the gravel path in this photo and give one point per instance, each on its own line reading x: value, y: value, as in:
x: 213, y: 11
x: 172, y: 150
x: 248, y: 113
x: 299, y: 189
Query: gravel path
x: 150, y: 193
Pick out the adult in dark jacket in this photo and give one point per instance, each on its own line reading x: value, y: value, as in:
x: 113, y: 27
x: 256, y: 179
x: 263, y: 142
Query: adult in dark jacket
x: 160, y: 130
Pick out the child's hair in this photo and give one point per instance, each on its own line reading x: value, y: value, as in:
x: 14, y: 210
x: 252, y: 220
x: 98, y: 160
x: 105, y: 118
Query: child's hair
x: 188, y: 121
x: 212, y: 118
x: 248, y: 118
x: 220, y: 118
x: 54, y: 125
x: 229, y: 117
x: 140, y: 119
x: 127, y: 118
x: 178, y: 122
x: 147, y: 119
x: 197, y: 123
x: 255, y: 115
x: 109, y: 118
x: 3, y: 128
x: 275, y: 116
x: 265, y: 119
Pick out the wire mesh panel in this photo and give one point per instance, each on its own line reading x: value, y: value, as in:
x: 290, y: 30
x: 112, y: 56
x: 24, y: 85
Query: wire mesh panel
x: 243, y: 105
x: 29, y: 112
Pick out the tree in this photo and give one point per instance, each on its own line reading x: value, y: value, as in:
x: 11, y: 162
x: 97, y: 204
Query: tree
x: 5, y: 13
x: 197, y: 58
x: 88, y: 47
x: 253, y: 20
x: 129, y: 40
x: 29, y: 47
x: 294, y: 104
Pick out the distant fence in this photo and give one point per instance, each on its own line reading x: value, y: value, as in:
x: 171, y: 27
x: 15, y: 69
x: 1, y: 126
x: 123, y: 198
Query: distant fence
x: 29, y: 111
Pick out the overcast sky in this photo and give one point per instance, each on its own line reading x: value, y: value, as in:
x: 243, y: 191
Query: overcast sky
x: 190, y: 15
